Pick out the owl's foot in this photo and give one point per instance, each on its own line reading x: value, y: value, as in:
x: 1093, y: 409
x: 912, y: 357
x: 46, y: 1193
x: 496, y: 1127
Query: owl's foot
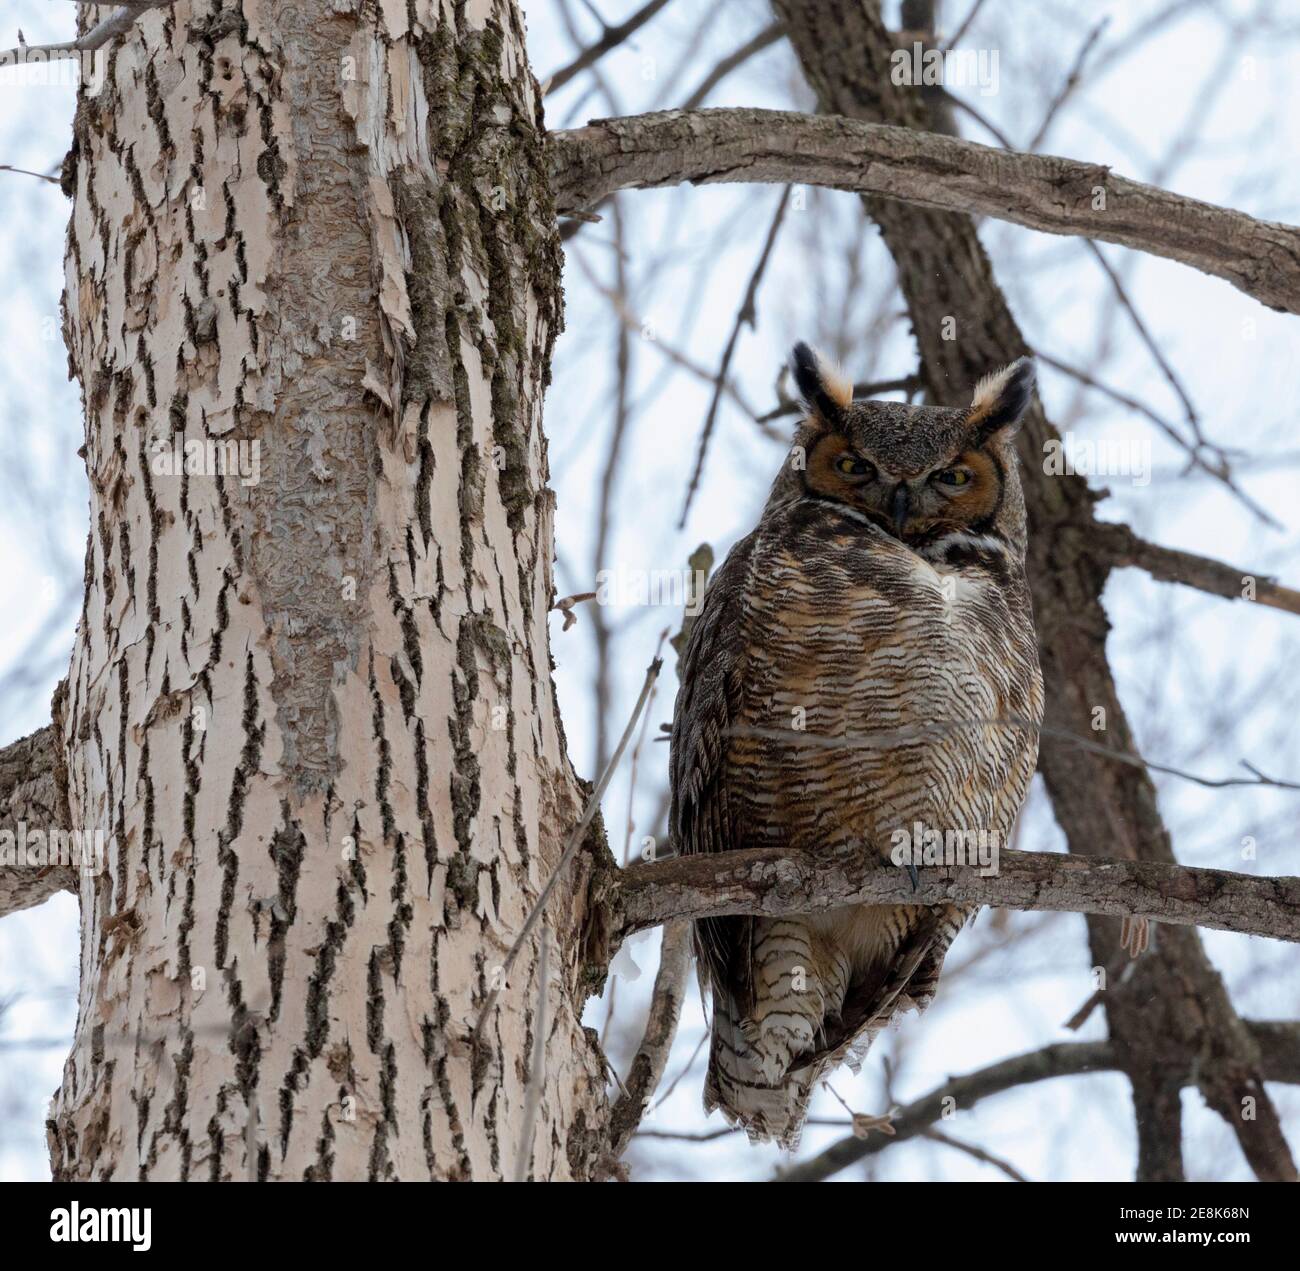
x: 911, y: 873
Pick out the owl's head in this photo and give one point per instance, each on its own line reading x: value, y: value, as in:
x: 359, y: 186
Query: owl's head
x: 918, y: 472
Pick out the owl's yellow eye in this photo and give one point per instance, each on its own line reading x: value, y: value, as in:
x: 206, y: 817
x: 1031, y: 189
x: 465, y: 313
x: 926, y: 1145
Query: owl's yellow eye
x: 953, y: 476
x: 851, y: 466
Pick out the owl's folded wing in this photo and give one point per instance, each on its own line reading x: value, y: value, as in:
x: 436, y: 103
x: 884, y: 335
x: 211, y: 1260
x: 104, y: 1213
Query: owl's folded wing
x: 712, y: 683
x: 908, y: 981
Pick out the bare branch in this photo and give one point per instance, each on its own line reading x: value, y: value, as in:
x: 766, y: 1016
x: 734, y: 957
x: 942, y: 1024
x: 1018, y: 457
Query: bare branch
x: 1279, y: 1043
x: 1169, y: 565
x: 117, y: 23
x: 745, y: 316
x: 29, y: 797
x: 905, y: 384
x: 768, y: 36
x: 773, y: 882
x: 1066, y: 1059
x: 977, y: 1153
x: 651, y: 1057
x: 27, y: 172
x: 1057, y: 196
x: 1068, y: 87
x: 612, y: 38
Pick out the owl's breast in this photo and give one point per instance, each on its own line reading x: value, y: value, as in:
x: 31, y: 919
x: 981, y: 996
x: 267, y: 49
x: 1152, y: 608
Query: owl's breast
x: 879, y: 692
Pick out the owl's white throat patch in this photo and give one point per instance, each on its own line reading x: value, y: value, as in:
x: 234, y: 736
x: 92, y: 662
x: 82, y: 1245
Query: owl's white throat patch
x: 937, y: 552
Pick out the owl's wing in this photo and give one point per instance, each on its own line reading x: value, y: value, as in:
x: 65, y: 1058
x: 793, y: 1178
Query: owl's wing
x: 909, y: 980
x: 712, y: 683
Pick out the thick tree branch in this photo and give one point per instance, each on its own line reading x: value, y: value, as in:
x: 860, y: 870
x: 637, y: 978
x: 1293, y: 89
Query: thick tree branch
x: 1043, y: 192
x: 777, y: 881
x: 29, y: 797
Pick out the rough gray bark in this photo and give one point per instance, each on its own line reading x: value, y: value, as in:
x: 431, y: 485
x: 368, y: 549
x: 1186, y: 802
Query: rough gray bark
x: 314, y: 710
x: 31, y: 798
x: 1042, y: 192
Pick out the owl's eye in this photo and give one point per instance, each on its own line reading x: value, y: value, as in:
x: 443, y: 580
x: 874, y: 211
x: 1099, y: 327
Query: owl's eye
x: 851, y: 466
x: 953, y: 476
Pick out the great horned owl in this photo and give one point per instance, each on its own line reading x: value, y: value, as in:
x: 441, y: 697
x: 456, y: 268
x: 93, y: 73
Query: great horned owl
x: 883, y: 592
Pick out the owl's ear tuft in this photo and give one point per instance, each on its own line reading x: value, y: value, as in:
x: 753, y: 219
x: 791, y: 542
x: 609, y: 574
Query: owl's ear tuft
x: 826, y: 393
x: 1001, y: 399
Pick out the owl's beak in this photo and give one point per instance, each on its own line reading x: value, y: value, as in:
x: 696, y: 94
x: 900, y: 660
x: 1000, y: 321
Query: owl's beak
x: 900, y: 505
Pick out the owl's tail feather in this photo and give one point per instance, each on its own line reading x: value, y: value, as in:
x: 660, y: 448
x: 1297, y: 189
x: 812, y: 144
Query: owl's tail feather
x: 736, y: 1086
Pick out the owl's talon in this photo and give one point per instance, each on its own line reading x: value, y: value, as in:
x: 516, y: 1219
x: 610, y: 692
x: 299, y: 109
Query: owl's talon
x: 911, y: 873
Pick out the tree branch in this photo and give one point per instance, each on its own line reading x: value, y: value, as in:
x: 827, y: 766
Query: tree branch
x: 1279, y: 1044
x: 1057, y: 196
x: 1169, y: 565
x: 775, y: 881
x: 651, y: 1057
x: 29, y: 795
x: 612, y: 38
x: 117, y: 23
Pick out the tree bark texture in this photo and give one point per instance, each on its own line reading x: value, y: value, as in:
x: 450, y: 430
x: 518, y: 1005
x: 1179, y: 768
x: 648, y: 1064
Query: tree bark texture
x: 314, y: 711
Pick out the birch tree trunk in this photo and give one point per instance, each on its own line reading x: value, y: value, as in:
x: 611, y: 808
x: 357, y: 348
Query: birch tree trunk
x: 310, y: 702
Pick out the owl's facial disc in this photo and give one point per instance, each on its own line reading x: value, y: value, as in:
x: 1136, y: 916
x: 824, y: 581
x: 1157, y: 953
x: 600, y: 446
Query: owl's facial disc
x: 963, y: 492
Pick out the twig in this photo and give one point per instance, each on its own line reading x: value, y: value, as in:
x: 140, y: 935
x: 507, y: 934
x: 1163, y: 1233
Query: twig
x: 744, y: 317
x: 647, y: 1068
x: 536, y: 1064
x: 679, y: 359
x: 27, y: 172
x: 965, y: 26
x: 977, y: 1153
x: 1071, y: 83
x: 1060, y: 1060
x: 117, y: 23
x: 565, y: 606
x: 906, y: 383
x: 768, y: 36
x: 611, y: 39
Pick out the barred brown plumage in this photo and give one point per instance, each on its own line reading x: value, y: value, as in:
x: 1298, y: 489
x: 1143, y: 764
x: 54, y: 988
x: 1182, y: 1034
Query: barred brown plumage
x: 883, y: 587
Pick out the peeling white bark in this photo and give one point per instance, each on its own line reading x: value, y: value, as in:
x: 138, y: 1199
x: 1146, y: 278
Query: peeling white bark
x: 314, y: 712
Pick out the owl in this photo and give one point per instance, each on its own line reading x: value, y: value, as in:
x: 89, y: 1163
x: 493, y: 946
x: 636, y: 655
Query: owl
x: 864, y: 665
